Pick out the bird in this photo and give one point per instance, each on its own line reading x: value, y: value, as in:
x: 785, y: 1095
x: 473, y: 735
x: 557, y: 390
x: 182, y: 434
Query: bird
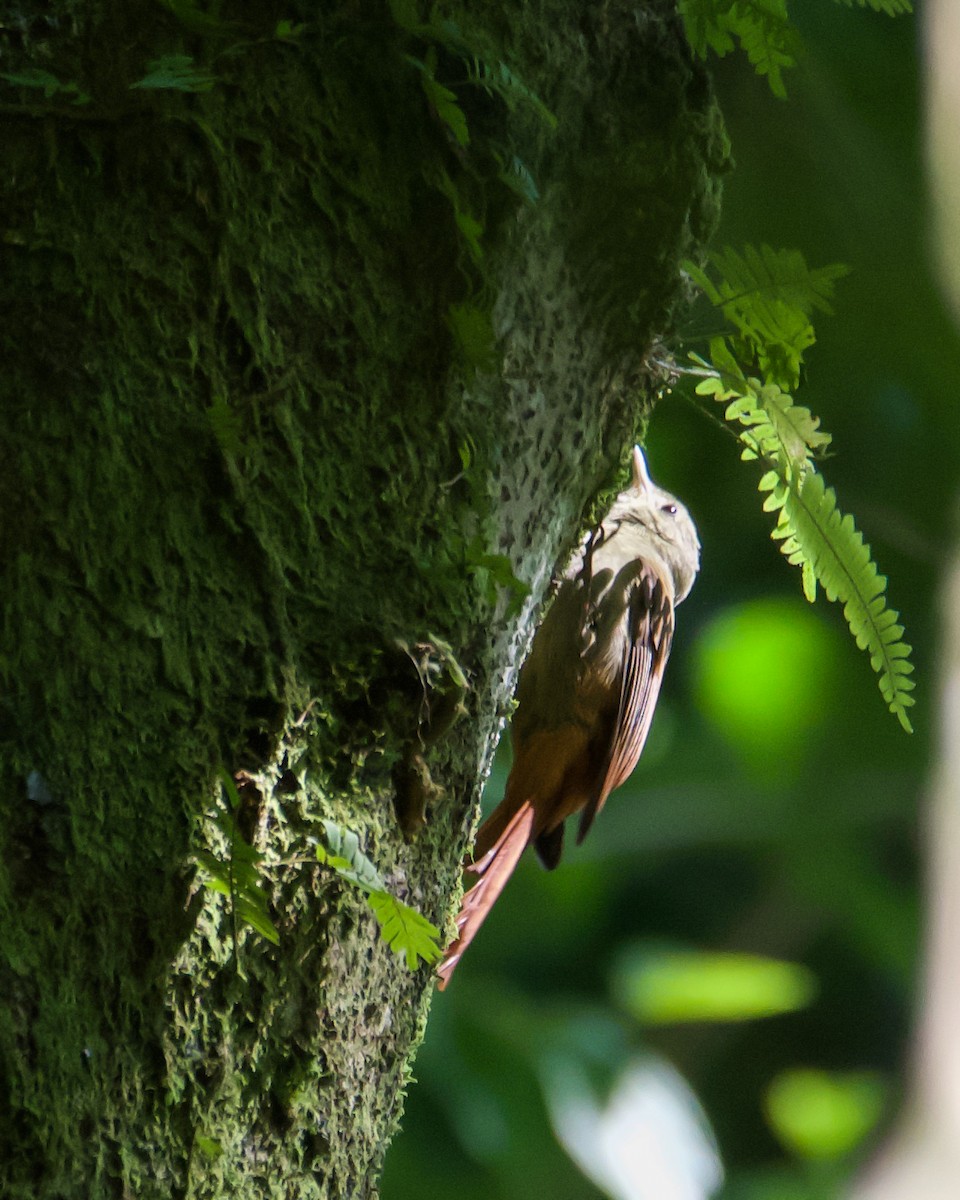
x: 587, y: 690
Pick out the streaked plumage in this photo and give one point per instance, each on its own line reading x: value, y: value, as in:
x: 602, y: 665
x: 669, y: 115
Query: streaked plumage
x: 588, y: 689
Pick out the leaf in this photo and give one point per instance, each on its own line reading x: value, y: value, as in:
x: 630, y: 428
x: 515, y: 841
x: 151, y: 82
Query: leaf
x: 445, y: 652
x: 195, y: 19
x: 404, y: 13
x: 517, y: 176
x: 347, y: 859
x: 813, y: 535
x: 33, y: 77
x: 768, y: 295
x: 892, y: 8
x: 496, y: 78
x: 494, y: 571
x: 469, y: 227
x: 442, y: 100
x: 405, y: 931
x: 250, y: 906
x: 762, y: 27
x: 822, y: 1116
x: 473, y: 333
x: 289, y: 31
x: 175, y: 72
x: 773, y: 427
x: 218, y: 871
x: 238, y: 876
x: 837, y: 554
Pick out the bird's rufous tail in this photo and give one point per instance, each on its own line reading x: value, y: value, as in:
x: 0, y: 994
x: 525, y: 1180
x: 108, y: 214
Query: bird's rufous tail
x: 494, y: 865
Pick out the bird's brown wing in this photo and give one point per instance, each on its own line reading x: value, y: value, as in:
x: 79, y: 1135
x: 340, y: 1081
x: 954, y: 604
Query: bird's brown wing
x: 649, y: 617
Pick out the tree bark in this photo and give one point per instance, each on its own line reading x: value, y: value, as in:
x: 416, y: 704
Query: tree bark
x: 266, y: 475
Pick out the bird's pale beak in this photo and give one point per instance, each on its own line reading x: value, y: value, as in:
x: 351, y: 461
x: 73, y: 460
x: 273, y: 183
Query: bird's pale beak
x: 641, y: 476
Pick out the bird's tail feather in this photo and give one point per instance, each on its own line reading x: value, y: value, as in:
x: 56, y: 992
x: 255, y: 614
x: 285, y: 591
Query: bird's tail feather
x: 494, y: 865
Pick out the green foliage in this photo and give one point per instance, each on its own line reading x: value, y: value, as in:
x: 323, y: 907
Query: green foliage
x: 439, y: 42
x: 442, y: 100
x: 768, y: 296
x: 469, y: 228
x: 473, y: 333
x: 175, y: 72
x: 822, y: 539
x: 238, y: 875
x: 193, y: 17
x: 762, y: 27
x: 765, y: 677
x: 289, y: 31
x: 497, y: 79
x: 893, y: 8
x: 50, y: 85
x: 516, y: 175
x: 404, y: 930
x: 494, y: 571
x: 493, y: 75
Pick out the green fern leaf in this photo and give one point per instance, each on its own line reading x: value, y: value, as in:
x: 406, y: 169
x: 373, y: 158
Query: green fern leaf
x: 773, y: 427
x: 768, y: 295
x: 496, y: 78
x: 796, y: 428
x: 405, y: 930
x: 764, y: 275
x: 443, y: 101
x: 347, y: 859
x: 175, y: 72
x: 238, y: 875
x: 762, y: 28
x: 837, y: 553
x: 893, y: 8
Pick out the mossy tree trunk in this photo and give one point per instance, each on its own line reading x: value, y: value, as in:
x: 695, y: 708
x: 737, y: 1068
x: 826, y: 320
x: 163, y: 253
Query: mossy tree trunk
x: 294, y: 385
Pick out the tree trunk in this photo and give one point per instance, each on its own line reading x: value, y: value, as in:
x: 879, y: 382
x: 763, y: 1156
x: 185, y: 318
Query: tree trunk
x: 300, y: 397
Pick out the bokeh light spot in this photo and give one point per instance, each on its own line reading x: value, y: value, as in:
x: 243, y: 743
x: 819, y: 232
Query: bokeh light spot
x: 820, y: 1115
x: 764, y: 674
x: 668, y: 986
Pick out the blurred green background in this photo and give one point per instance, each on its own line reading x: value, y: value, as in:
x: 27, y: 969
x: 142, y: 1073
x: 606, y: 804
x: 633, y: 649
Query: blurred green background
x: 728, y: 965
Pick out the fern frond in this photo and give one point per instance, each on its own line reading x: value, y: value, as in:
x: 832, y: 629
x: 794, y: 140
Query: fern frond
x: 841, y: 561
x: 768, y: 295
x: 442, y: 100
x: 893, y: 8
x: 766, y: 276
x: 496, y: 78
x: 772, y: 426
x: 404, y: 930
x: 762, y: 28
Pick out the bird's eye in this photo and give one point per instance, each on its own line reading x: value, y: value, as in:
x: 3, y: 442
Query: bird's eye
x: 669, y: 508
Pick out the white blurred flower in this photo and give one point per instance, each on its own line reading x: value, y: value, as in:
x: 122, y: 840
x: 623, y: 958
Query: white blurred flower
x: 650, y: 1141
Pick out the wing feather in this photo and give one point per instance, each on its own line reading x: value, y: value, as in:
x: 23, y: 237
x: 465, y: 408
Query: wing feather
x: 649, y: 617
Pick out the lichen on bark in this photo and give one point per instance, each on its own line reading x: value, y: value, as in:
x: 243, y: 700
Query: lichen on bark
x: 246, y: 464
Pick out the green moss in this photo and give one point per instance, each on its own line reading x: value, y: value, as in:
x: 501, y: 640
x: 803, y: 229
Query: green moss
x: 233, y: 423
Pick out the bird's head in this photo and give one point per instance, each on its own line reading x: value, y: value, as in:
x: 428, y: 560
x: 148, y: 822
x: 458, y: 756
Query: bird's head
x: 661, y: 522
